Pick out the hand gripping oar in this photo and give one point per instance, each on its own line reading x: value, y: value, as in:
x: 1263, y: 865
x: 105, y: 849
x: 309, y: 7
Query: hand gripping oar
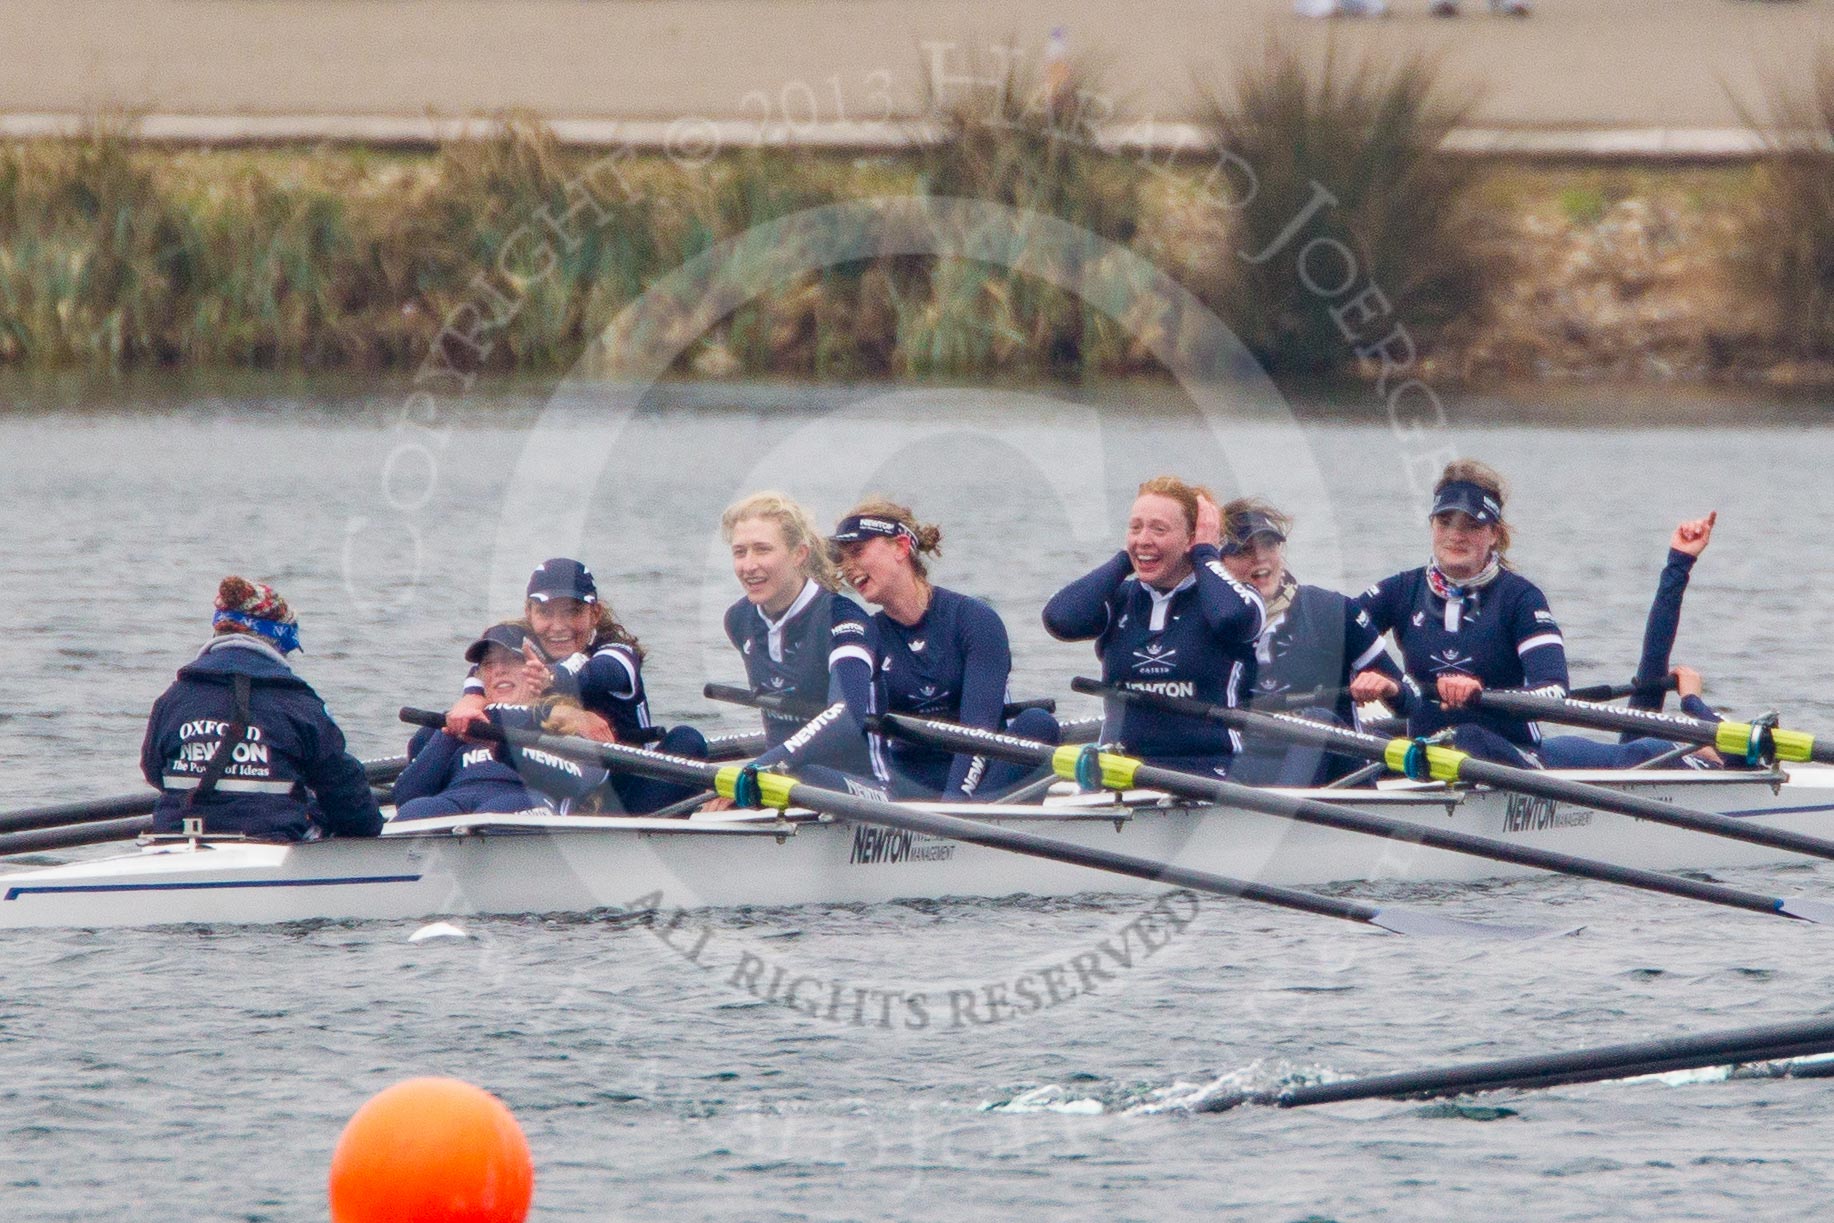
x: 380, y: 773
x: 1740, y: 1045
x: 1752, y: 742
x: 1094, y: 769
x: 751, y: 788
x: 1425, y: 761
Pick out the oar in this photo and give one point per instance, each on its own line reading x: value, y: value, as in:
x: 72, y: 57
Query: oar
x: 753, y: 788
x: 1740, y: 1045
x: 1109, y: 770
x: 69, y: 836
x: 776, y: 702
x: 1744, y: 740
x: 1424, y: 761
x: 1613, y: 692
x: 380, y: 773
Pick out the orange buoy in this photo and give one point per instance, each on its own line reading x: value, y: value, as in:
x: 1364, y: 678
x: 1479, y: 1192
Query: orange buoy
x: 432, y: 1151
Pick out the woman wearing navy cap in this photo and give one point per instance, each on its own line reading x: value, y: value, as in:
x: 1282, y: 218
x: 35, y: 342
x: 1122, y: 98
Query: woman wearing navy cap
x: 1166, y: 617
x: 1467, y: 621
x: 589, y: 656
x: 936, y: 654
x: 447, y: 775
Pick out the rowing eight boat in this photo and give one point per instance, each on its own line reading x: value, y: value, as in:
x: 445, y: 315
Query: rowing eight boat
x: 538, y: 862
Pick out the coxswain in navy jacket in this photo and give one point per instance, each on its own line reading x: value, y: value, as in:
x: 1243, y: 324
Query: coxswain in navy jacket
x: 1501, y: 633
x: 449, y: 776
x: 821, y: 652
x: 1196, y: 641
x: 289, y: 772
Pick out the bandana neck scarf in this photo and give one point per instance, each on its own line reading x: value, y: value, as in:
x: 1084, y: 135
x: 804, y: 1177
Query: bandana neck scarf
x: 1281, y: 599
x: 1454, y: 592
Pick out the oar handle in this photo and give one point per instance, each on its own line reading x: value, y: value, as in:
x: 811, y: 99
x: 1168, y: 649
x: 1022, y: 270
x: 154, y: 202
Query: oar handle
x: 1614, y: 692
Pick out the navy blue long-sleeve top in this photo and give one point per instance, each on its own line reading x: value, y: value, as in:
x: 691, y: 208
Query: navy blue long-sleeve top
x: 820, y: 652
x: 953, y: 664
x: 1503, y: 634
x: 1196, y: 641
x: 438, y: 762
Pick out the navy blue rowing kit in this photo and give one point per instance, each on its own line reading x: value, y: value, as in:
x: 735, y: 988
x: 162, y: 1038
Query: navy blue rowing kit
x: 450, y: 776
x: 288, y: 770
x: 1319, y: 640
x: 953, y: 664
x: 821, y: 652
x: 1196, y: 640
x: 606, y: 678
x: 1502, y: 633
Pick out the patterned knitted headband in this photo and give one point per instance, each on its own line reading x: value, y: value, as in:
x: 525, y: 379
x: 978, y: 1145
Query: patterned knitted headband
x: 258, y: 608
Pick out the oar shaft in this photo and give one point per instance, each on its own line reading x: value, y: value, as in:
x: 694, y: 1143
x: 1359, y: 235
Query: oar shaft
x: 974, y: 832
x: 59, y: 815
x: 94, y: 832
x: 1458, y: 766
x: 1580, y: 1065
x: 1344, y: 819
x: 1733, y: 738
x: 790, y: 707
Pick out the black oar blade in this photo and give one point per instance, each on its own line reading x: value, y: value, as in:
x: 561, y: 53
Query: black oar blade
x: 1433, y: 925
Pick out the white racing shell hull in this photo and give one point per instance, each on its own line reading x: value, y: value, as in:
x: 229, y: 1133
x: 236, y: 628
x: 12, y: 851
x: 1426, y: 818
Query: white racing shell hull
x: 540, y: 863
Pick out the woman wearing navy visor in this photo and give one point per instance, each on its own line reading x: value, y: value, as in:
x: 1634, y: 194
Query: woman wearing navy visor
x: 1166, y: 616
x: 937, y: 654
x: 800, y: 638
x: 587, y: 655
x: 1313, y: 638
x: 1466, y: 621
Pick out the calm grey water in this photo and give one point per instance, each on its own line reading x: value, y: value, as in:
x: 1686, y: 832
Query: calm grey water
x: 205, y: 1073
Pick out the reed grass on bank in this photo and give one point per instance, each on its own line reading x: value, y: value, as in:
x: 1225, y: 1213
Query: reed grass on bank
x: 118, y: 254
x: 1785, y: 252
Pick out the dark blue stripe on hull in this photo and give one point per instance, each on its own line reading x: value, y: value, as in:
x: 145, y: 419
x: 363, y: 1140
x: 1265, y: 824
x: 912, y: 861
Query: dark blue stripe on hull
x: 1778, y: 811
x: 16, y: 893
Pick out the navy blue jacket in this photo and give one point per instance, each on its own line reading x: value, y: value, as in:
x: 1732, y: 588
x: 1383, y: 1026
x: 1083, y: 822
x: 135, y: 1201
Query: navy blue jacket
x: 1660, y: 629
x: 439, y: 762
x: 953, y: 664
x: 821, y: 652
x: 1506, y: 637
x: 290, y: 771
x: 1195, y: 641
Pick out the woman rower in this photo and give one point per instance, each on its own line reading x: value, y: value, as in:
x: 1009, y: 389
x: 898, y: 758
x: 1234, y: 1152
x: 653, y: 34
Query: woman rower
x: 1166, y: 616
x: 937, y: 654
x: 1313, y: 639
x: 1466, y: 621
x: 800, y: 638
x: 448, y: 776
x: 242, y: 742
x: 588, y: 656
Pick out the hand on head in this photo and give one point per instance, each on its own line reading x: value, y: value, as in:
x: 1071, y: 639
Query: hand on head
x: 1209, y: 528
x: 1691, y: 536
